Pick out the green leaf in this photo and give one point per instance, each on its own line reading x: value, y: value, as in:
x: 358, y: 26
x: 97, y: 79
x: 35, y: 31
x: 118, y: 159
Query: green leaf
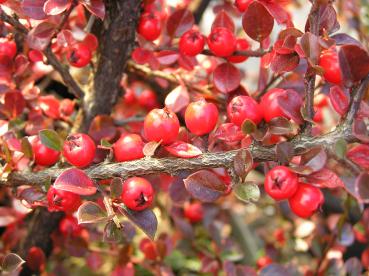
x: 105, y: 143
x: 340, y: 148
x: 247, y: 192
x: 26, y: 148
x: 112, y: 234
x: 50, y: 139
x: 248, y: 127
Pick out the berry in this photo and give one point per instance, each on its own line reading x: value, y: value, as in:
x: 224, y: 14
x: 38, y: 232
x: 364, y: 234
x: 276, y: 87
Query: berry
x: 221, y: 42
x: 241, y: 45
x: 148, y: 99
x: 263, y: 261
x: 194, y: 212
x: 280, y: 183
x: 148, y: 247
x: 36, y: 259
x: 69, y: 227
x: 242, y: 5
x: 270, y: 105
x: 365, y: 258
x: 191, y: 43
x: 329, y: 62
x: 79, y: 55
x: 62, y: 200
x: 35, y: 56
x: 8, y: 47
x: 137, y: 193
x: 161, y: 125
x: 79, y: 150
x: 306, y: 200
x: 201, y: 117
x: 128, y: 147
x: 149, y: 26
x: 44, y: 156
x: 241, y: 108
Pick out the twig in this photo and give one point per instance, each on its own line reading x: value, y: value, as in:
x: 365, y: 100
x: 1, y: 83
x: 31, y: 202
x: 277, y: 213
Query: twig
x: 108, y: 205
x: 356, y: 99
x: 200, y: 9
x: 133, y: 119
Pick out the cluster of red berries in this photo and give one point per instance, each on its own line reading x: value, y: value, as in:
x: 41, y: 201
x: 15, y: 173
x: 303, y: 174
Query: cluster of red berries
x: 283, y: 184
x: 138, y: 93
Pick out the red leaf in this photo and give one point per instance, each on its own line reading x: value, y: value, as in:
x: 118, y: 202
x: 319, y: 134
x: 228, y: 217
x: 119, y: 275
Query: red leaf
x: 179, y: 22
x: 75, y: 181
x: 14, y: 103
x: 65, y: 38
x: 339, y: 99
x: 34, y: 9
x: 102, y: 127
x: 360, y: 155
x: 167, y: 57
x: 229, y: 133
x: 142, y: 56
x: 39, y: 37
x: 362, y: 187
x: 226, y: 77
x: 360, y: 130
x: 290, y: 102
x: 277, y: 11
x: 54, y: 7
x: 310, y: 45
x: 223, y: 20
x: 284, y: 63
x: 187, y: 62
x: 50, y: 106
x: 177, y: 99
x: 96, y: 7
x: 314, y: 159
x: 21, y: 64
x: 325, y: 178
x: 327, y: 19
x: 257, y: 22
x: 184, y: 150
x: 354, y: 63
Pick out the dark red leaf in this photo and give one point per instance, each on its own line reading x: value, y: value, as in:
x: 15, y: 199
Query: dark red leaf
x: 96, y: 7
x: 325, y: 178
x: 187, y: 62
x: 177, y: 190
x: 229, y: 133
x: 184, y: 150
x: 21, y: 64
x: 342, y: 39
x: 339, y: 99
x: 226, y: 77
x: 39, y: 37
x: 360, y: 131
x: 167, y: 57
x: 284, y: 152
x: 257, y: 21
x: 14, y: 103
x: 34, y: 9
x: 223, y: 20
x: 75, y: 181
x: 277, y: 11
x: 54, y: 7
x: 354, y: 63
x: 284, y: 63
x: 315, y: 159
x: 243, y: 163
x: 327, y: 19
x: 290, y: 102
x: 102, y: 127
x: 179, y: 22
x: 360, y: 155
x: 362, y: 187
x: 310, y: 45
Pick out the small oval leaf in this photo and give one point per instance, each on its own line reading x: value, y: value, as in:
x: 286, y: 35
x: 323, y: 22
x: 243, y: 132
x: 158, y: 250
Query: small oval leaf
x: 184, y: 150
x: 90, y: 212
x: 75, y: 181
x: 50, y: 139
x: 11, y: 263
x: 246, y: 192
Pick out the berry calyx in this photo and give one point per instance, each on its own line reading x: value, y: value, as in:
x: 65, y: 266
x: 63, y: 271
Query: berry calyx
x: 60, y: 200
x: 270, y: 105
x: 79, y: 55
x: 201, y: 117
x: 329, y: 61
x: 137, y: 193
x: 79, y: 150
x: 280, y: 183
x: 221, y: 42
x: 128, y: 147
x: 241, y: 45
x: 161, y: 125
x: 306, y: 200
x: 69, y: 227
x: 241, y: 108
x: 191, y: 43
x: 8, y: 47
x: 43, y: 155
x: 149, y: 26
x: 193, y: 212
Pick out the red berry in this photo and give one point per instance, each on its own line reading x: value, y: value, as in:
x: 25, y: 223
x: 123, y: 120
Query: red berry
x: 280, y: 183
x: 148, y: 247
x: 128, y: 147
x: 62, y: 200
x: 241, y: 45
x: 66, y: 107
x: 149, y: 26
x: 36, y: 259
x: 69, y: 227
x: 242, y: 5
x: 191, y: 43
x: 44, y: 156
x: 241, y: 108
x: 221, y: 42
x: 137, y: 193
x: 79, y: 150
x: 306, y: 200
x: 263, y: 261
x: 148, y: 99
x: 194, y: 212
x: 8, y: 47
x: 79, y: 55
x: 161, y: 125
x: 129, y: 96
x: 270, y: 105
x: 35, y: 56
x: 365, y: 258
x: 201, y: 117
x: 329, y: 62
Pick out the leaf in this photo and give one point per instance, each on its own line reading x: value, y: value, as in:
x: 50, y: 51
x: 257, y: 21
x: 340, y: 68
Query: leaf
x: 277, y: 11
x: 327, y: 19
x: 205, y: 186
x: 360, y: 155
x: 229, y: 133
x: 50, y: 139
x: 284, y: 152
x: 315, y: 159
x: 91, y: 212
x: 167, y: 57
x: 339, y: 99
x: 113, y: 234
x: 284, y: 63
x: 360, y: 131
x: 184, y: 150
x: 11, y: 263
x: 116, y: 187
x: 14, y: 103
x: 179, y: 22
x: 257, y: 22
x: 39, y: 37
x: 75, y: 181
x: 226, y: 77
x: 342, y: 39
x: 362, y: 187
x: 353, y: 266
x: 177, y: 99
x: 243, y: 163
x: 354, y: 63
x: 340, y: 148
x: 325, y: 178
x: 96, y: 7
x: 177, y: 190
x: 223, y: 20
x: 145, y: 220
x: 310, y: 45
x: 247, y: 192
x: 34, y: 9
x: 8, y: 216
x: 26, y: 148
x: 290, y: 102
x: 32, y: 195
x: 55, y: 7
x: 102, y: 127
x: 280, y: 126
x: 150, y: 148
x: 248, y: 127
